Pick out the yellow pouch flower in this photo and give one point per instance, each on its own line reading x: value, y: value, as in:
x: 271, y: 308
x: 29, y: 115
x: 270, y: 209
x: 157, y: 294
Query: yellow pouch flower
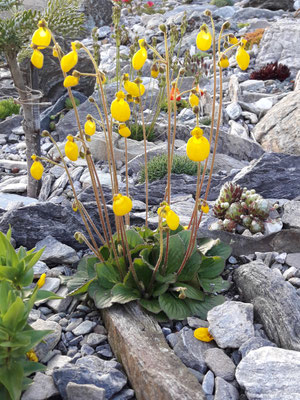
x: 203, y: 335
x: 224, y: 62
x: 90, y: 127
x: 242, y: 58
x: 119, y: 108
x: 41, y: 37
x: 140, y: 57
x: 71, y: 81
x: 197, y: 149
x: 69, y: 60
x: 36, y: 169
x: 205, y: 208
x: 71, y: 149
x: 37, y: 59
x: 204, y: 40
x: 133, y: 89
x: 194, y: 100
x: 124, y: 130
x: 171, y: 217
x: 41, y: 281
x: 121, y: 205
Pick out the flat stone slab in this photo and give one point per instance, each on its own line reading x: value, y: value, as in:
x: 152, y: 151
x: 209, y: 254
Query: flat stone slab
x: 151, y: 366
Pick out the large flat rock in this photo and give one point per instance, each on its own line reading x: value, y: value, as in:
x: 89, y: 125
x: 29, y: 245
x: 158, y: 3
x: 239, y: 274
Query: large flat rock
x: 151, y: 366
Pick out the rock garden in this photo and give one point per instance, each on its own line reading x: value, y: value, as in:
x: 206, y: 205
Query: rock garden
x: 150, y: 200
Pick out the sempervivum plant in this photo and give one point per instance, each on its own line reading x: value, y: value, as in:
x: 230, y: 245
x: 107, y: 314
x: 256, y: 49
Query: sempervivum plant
x: 240, y: 206
x: 272, y: 71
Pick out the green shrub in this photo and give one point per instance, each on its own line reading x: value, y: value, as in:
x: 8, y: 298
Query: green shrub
x: 8, y: 107
x: 205, y: 121
x: 180, y: 105
x: 241, y: 25
x: 68, y: 103
x: 158, y: 168
x: 221, y: 3
x: 137, y: 132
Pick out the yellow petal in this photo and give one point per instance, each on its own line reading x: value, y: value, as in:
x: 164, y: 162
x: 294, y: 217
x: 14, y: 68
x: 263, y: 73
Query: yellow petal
x: 37, y: 59
x: 172, y: 220
x: 41, y: 281
x: 197, y: 149
x: 120, y: 110
x: 121, y: 205
x: 203, y: 40
x: 41, y: 37
x: 90, y: 127
x: 203, y: 335
x: 242, y: 58
x: 70, y: 81
x: 72, y: 150
x: 37, y: 170
x: 69, y: 61
x: 139, y: 59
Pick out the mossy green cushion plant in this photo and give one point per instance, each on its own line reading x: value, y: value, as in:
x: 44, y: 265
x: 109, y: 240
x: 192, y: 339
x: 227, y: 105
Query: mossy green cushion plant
x: 221, y: 3
x: 8, y: 107
x: 158, y: 168
x: 137, y: 132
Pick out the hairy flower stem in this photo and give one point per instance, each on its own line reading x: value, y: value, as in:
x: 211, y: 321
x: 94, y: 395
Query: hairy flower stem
x: 94, y: 248
x: 161, y: 250
x: 146, y: 161
x: 168, y: 188
x: 194, y: 215
x: 127, y: 217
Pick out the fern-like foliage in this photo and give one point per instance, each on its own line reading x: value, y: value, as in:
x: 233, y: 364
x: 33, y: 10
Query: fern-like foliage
x: 63, y: 17
x: 5, y: 5
x: 16, y: 29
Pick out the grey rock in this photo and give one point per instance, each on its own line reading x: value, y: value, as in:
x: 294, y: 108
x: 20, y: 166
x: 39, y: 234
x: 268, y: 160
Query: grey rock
x: 253, y: 344
x: 125, y: 394
x: 84, y: 328
x: 60, y: 305
x: 58, y: 361
x: 271, y: 4
x: 276, y: 45
x: 282, y: 182
x: 73, y: 324
x: 51, y: 284
x: 289, y: 273
x: 208, y: 383
x: 293, y: 260
x: 274, y: 307
x: 49, y: 341
x: 40, y: 268
x: 282, y: 136
x: 252, y: 12
x: 191, y: 351
x: 10, y: 123
x: 291, y: 214
x: 237, y: 129
x: 56, y: 252
x: 111, y: 382
x: 42, y: 388
x: 195, y: 322
x: 46, y: 187
x: 10, y: 200
x: 220, y: 364
x: 231, y: 323
x: 79, y: 392
x: 94, y: 339
x: 295, y: 281
x: 270, y: 373
x: 87, y: 350
x: 234, y: 110
x: 252, y: 85
x: 225, y: 390
x: 224, y: 12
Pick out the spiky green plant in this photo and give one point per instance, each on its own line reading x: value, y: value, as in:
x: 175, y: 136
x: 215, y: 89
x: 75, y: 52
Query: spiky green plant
x: 8, y: 107
x: 158, y: 167
x: 221, y: 3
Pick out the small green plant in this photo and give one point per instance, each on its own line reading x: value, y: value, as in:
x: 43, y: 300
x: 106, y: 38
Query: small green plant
x: 221, y: 3
x: 68, y: 103
x: 17, y: 338
x: 181, y: 104
x: 241, y: 25
x: 8, y: 107
x: 240, y: 206
x: 205, y: 121
x: 137, y: 132
x: 158, y: 167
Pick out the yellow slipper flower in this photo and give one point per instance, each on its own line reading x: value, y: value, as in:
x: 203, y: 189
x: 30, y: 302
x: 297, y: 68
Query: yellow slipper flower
x: 224, y: 62
x: 193, y: 100
x: 197, y: 149
x: 69, y: 60
x: 42, y: 36
x: 71, y: 81
x: 203, y: 335
x: 37, y: 168
x: 140, y: 57
x: 71, y: 149
x: 119, y: 108
x: 90, y: 126
x: 242, y: 58
x: 124, y: 130
x: 204, y: 39
x: 122, y: 205
x: 37, y: 59
x: 170, y: 216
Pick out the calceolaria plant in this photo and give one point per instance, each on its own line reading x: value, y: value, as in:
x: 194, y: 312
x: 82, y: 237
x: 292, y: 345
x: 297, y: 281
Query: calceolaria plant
x: 163, y: 269
x: 17, y: 338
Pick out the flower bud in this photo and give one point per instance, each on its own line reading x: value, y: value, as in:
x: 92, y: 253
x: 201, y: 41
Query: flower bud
x: 163, y: 28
